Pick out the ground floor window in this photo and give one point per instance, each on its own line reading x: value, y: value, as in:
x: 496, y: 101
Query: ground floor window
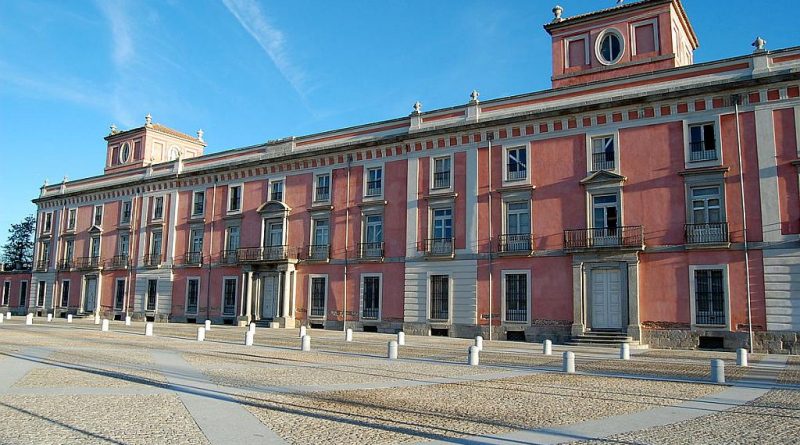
x: 152, y: 295
x: 516, y: 296
x: 65, y: 293
x: 192, y: 293
x: 229, y: 296
x: 318, y: 288
x: 440, y: 297
x: 371, y: 298
x: 41, y: 294
x: 6, y: 291
x: 23, y: 294
x: 709, y: 297
x: 119, y: 295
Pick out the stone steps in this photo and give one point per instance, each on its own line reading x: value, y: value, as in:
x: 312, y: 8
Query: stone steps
x: 603, y: 339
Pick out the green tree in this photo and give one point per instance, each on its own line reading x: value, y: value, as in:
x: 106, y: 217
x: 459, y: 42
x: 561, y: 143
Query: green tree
x: 19, y: 248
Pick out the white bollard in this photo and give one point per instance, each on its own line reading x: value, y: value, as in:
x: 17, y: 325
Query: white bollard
x: 569, y: 362
x: 547, y: 347
x: 2, y: 316
x: 302, y: 331
x: 8, y: 315
x: 401, y: 338
x: 127, y: 320
x: 49, y: 318
x: 473, y: 358
x: 29, y: 320
x: 348, y: 335
x: 208, y: 325
x: 392, y: 350
x: 305, y: 343
x: 201, y: 334
x: 741, y: 357
x: 96, y: 318
x: 479, y: 343
x: 69, y: 318
x: 248, y: 338
x: 252, y: 328
x: 717, y: 371
x: 625, y: 351
x: 148, y: 329
x: 104, y: 327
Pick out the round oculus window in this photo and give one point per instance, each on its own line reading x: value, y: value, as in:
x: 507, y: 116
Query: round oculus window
x: 610, y: 47
x: 124, y: 153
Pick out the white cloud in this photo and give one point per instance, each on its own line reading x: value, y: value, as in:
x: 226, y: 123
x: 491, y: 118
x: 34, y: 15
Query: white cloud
x: 123, y: 49
x: 271, y: 40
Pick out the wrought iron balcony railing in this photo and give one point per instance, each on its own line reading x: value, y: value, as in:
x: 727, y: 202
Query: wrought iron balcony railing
x: 87, y: 262
x: 119, y: 262
x: 707, y: 233
x: 628, y: 237
x: 369, y: 313
x: 370, y: 250
x: 698, y: 151
x: 374, y: 188
x: 439, y: 247
x: 441, y: 180
x: 265, y: 253
x: 193, y: 259
x: 65, y: 264
x: 152, y: 260
x: 42, y: 264
x: 230, y: 256
x: 323, y: 193
x: 519, y: 173
x: 319, y: 252
x: 519, y: 242
x: 602, y: 161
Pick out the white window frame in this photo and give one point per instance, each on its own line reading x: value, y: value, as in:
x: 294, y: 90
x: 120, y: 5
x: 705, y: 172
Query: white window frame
x: 605, y: 191
x: 192, y: 205
x: 67, y: 251
x: 61, y: 292
x: 41, y: 293
x: 725, y: 288
x: 122, y: 221
x: 94, y: 215
x: 590, y: 137
x: 599, y: 40
x: 568, y: 41
x: 72, y: 211
x: 316, y: 219
x: 186, y: 306
x: 228, y: 198
x: 327, y: 291
x: 227, y: 236
x: 699, y: 120
x: 150, y: 245
x: 235, y: 297
x: 99, y: 245
x: 316, y: 198
x: 514, y: 200
x: 153, y: 216
x: 433, y: 160
x: 431, y: 218
x: 529, y: 314
x: 429, y: 292
x: 119, y: 244
x: 527, y: 178
x: 147, y: 295
x: 380, y: 297
x: 124, y: 294
x: 690, y: 187
x: 367, y: 169
x: 5, y: 299
x: 27, y: 288
x: 45, y: 223
x: 124, y: 159
x: 283, y: 189
x: 635, y: 25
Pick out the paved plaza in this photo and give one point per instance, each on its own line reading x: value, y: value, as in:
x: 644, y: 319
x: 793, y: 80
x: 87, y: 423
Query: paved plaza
x: 72, y: 383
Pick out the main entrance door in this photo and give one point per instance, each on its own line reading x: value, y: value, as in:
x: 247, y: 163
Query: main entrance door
x: 269, y: 302
x: 606, y: 299
x: 90, y: 294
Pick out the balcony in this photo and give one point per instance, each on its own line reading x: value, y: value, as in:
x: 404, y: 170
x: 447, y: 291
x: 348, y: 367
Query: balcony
x: 439, y: 247
x: 152, y: 260
x: 319, y: 252
x: 193, y: 259
x: 322, y: 194
x: 230, y: 257
x: 65, y: 264
x: 515, y: 175
x: 368, y: 251
x: 369, y: 313
x: 521, y: 243
x: 374, y: 188
x: 627, y: 237
x: 119, y: 262
x: 602, y: 161
x: 265, y: 254
x: 441, y: 180
x: 41, y: 265
x: 87, y: 263
x: 698, y: 151
x: 707, y: 233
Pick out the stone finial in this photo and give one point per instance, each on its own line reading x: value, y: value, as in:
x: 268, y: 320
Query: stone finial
x: 45, y: 183
x: 417, y: 107
x: 64, y: 180
x: 200, y: 135
x: 759, y: 44
x: 473, y: 97
x: 148, y: 120
x: 557, y: 11
x: 113, y: 128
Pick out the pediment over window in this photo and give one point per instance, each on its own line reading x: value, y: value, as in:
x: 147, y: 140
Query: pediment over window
x: 95, y: 230
x: 603, y: 177
x: 274, y: 208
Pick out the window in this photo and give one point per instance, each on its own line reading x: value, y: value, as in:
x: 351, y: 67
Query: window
x: 274, y: 233
x: 48, y: 223
x: 231, y: 243
x: 702, y: 142
x: 192, y: 294
x: 69, y: 252
x: 370, y: 297
x: 603, y: 153
x: 320, y: 239
x: 441, y: 242
x: 234, y: 198
x: 71, y: 215
x: 124, y: 153
x: 276, y: 191
x: 155, y: 245
x: 195, y: 255
x: 372, y: 247
x: 198, y: 203
x: 41, y: 294
x: 158, y: 208
x: 119, y: 294
x: 318, y: 296
x: 440, y: 297
x: 94, y: 247
x: 65, y: 293
x: 707, y: 218
x: 322, y: 191
x: 515, y: 294
x: 610, y: 46
x: 23, y: 294
x: 229, y: 296
x: 124, y: 245
x: 125, y: 213
x: 6, y: 293
x: 518, y: 228
x: 709, y: 296
x: 516, y: 164
x: 44, y: 256
x: 374, y: 181
x: 441, y: 172
x: 605, y: 212
x: 152, y: 295
x: 98, y: 215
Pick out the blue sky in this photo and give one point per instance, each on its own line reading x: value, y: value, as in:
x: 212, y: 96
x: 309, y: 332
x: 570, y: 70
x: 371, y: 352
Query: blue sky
x: 246, y: 71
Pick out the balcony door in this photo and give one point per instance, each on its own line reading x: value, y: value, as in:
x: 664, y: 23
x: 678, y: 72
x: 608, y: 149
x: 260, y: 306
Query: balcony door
x: 442, y: 242
x: 605, y: 223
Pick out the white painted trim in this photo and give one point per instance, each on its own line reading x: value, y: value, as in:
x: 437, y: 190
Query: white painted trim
x: 102, y: 214
x: 173, y: 223
x: 599, y: 39
x: 510, y: 199
x: 327, y: 291
x: 529, y: 314
x: 153, y: 216
x: 5, y: 298
x: 235, y: 296
x: 147, y: 293
x: 371, y: 166
x: 124, y: 292
x: 429, y: 290
x: 271, y: 181
x: 711, y: 117
x: 705, y: 183
x: 633, y: 26
x: 122, y: 211
x: 725, y: 288
x: 317, y: 174
x: 605, y: 190
x: 431, y: 172
x: 41, y: 293
x: 228, y: 209
x: 771, y: 224
x: 186, y: 301
x: 380, y: 297
x: 191, y: 203
x: 505, y: 149
x: 61, y: 293
x: 412, y: 208
x: 66, y: 225
x: 27, y: 293
x: 471, y: 209
x: 586, y: 49
x: 598, y: 133
x: 797, y: 128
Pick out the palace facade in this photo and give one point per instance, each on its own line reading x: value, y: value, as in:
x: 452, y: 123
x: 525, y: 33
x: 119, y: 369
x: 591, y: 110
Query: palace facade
x: 644, y: 197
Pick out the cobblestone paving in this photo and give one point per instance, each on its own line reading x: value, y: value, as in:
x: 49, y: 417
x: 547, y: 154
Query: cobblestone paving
x: 791, y: 375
